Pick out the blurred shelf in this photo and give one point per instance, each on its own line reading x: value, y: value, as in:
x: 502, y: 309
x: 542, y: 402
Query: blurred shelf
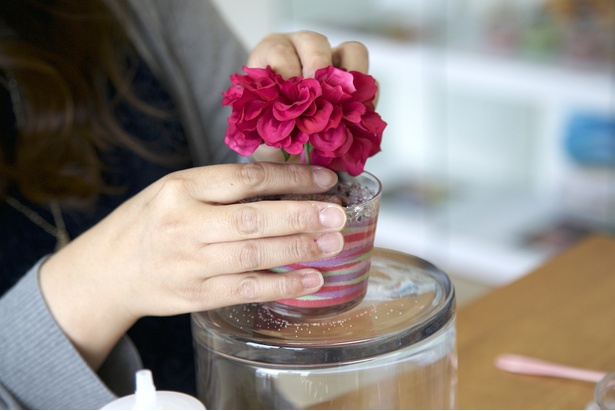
x: 490, y: 239
x: 551, y: 82
x: 542, y: 82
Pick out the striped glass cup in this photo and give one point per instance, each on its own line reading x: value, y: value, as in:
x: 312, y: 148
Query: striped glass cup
x: 345, y: 275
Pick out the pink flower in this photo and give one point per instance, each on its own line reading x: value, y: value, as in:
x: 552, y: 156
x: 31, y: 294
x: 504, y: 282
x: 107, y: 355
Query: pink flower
x: 366, y: 89
x: 337, y: 85
x: 321, y: 116
x: 244, y: 143
x: 329, y: 119
x: 295, y: 97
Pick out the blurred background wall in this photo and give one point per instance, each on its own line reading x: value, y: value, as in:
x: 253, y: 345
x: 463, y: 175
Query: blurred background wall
x: 500, y: 149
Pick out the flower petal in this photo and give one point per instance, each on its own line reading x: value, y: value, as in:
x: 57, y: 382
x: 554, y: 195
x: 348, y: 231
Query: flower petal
x: 353, y: 111
x: 332, y: 142
x: 242, y: 143
x: 296, y: 96
x: 337, y: 84
x: 317, y: 121
x: 366, y: 88
x: 271, y: 130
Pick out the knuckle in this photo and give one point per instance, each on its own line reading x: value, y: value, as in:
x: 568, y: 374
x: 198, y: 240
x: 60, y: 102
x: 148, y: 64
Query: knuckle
x: 310, y: 36
x: 252, y: 175
x: 280, y: 48
x: 249, y: 256
x: 247, y: 221
x: 356, y: 47
x: 285, y: 286
x: 248, y: 288
x: 296, y: 176
x: 172, y: 186
x: 302, y: 247
x: 320, y: 59
x: 193, y: 293
x: 299, y: 220
x: 164, y: 205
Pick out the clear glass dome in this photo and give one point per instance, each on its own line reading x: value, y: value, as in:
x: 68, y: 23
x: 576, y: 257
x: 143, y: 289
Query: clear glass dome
x: 401, y: 337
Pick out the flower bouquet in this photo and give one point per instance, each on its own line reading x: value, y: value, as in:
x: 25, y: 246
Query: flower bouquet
x: 329, y: 120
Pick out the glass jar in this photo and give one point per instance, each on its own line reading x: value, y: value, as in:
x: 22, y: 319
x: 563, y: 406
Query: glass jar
x: 395, y: 350
x: 604, y: 393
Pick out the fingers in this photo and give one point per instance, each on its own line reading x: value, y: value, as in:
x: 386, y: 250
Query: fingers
x: 230, y: 272
x: 265, y: 219
x: 265, y: 253
x: 351, y: 55
x: 230, y: 183
x: 273, y: 154
x: 257, y: 287
x: 295, y: 54
x: 276, y: 50
x: 313, y: 50
x: 304, y: 52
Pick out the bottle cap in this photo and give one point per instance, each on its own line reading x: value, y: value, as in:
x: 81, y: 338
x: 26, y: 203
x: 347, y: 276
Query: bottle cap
x: 147, y: 398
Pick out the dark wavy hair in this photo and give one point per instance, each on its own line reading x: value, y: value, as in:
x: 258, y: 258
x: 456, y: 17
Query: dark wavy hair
x: 64, y: 56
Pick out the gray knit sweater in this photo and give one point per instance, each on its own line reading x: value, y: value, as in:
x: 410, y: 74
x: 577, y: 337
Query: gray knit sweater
x: 192, y: 52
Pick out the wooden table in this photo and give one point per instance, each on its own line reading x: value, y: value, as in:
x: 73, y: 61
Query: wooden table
x: 564, y: 311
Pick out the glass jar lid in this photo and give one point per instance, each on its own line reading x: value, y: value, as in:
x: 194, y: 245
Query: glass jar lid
x: 408, y: 300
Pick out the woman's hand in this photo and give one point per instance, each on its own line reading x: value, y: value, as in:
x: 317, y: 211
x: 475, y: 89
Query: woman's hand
x: 302, y: 53
x: 185, y: 244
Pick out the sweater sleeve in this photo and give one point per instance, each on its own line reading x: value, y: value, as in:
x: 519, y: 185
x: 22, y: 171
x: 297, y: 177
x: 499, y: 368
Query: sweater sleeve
x: 40, y: 368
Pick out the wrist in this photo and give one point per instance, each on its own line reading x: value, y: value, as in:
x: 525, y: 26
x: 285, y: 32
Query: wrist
x: 84, y: 302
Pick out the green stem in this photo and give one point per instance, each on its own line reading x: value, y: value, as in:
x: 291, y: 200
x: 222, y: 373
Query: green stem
x: 306, y: 148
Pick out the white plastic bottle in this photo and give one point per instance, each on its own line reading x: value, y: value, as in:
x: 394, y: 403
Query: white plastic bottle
x: 147, y: 398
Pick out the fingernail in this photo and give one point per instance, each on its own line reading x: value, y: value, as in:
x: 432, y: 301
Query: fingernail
x: 323, y: 177
x: 311, y: 280
x: 330, y: 242
x: 332, y: 217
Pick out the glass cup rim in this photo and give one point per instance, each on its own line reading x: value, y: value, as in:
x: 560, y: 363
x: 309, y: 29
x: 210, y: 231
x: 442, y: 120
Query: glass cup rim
x: 367, y: 175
